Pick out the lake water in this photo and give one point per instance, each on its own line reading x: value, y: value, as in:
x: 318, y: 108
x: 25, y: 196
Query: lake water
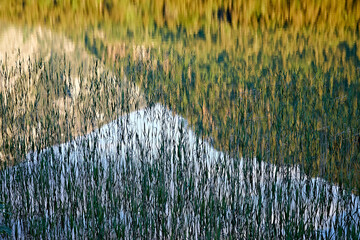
x: 249, y: 134
x: 139, y: 142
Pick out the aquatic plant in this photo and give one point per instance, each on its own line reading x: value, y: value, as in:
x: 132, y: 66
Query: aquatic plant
x: 147, y: 174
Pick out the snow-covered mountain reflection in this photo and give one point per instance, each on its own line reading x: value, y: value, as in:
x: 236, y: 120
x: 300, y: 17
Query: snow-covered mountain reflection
x: 148, y: 171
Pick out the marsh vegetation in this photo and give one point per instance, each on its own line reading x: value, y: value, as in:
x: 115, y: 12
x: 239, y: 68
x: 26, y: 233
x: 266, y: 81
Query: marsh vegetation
x: 186, y: 125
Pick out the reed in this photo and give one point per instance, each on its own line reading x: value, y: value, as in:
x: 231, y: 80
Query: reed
x: 152, y: 174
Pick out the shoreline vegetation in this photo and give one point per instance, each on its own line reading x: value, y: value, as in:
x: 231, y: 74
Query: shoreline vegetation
x: 188, y: 16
